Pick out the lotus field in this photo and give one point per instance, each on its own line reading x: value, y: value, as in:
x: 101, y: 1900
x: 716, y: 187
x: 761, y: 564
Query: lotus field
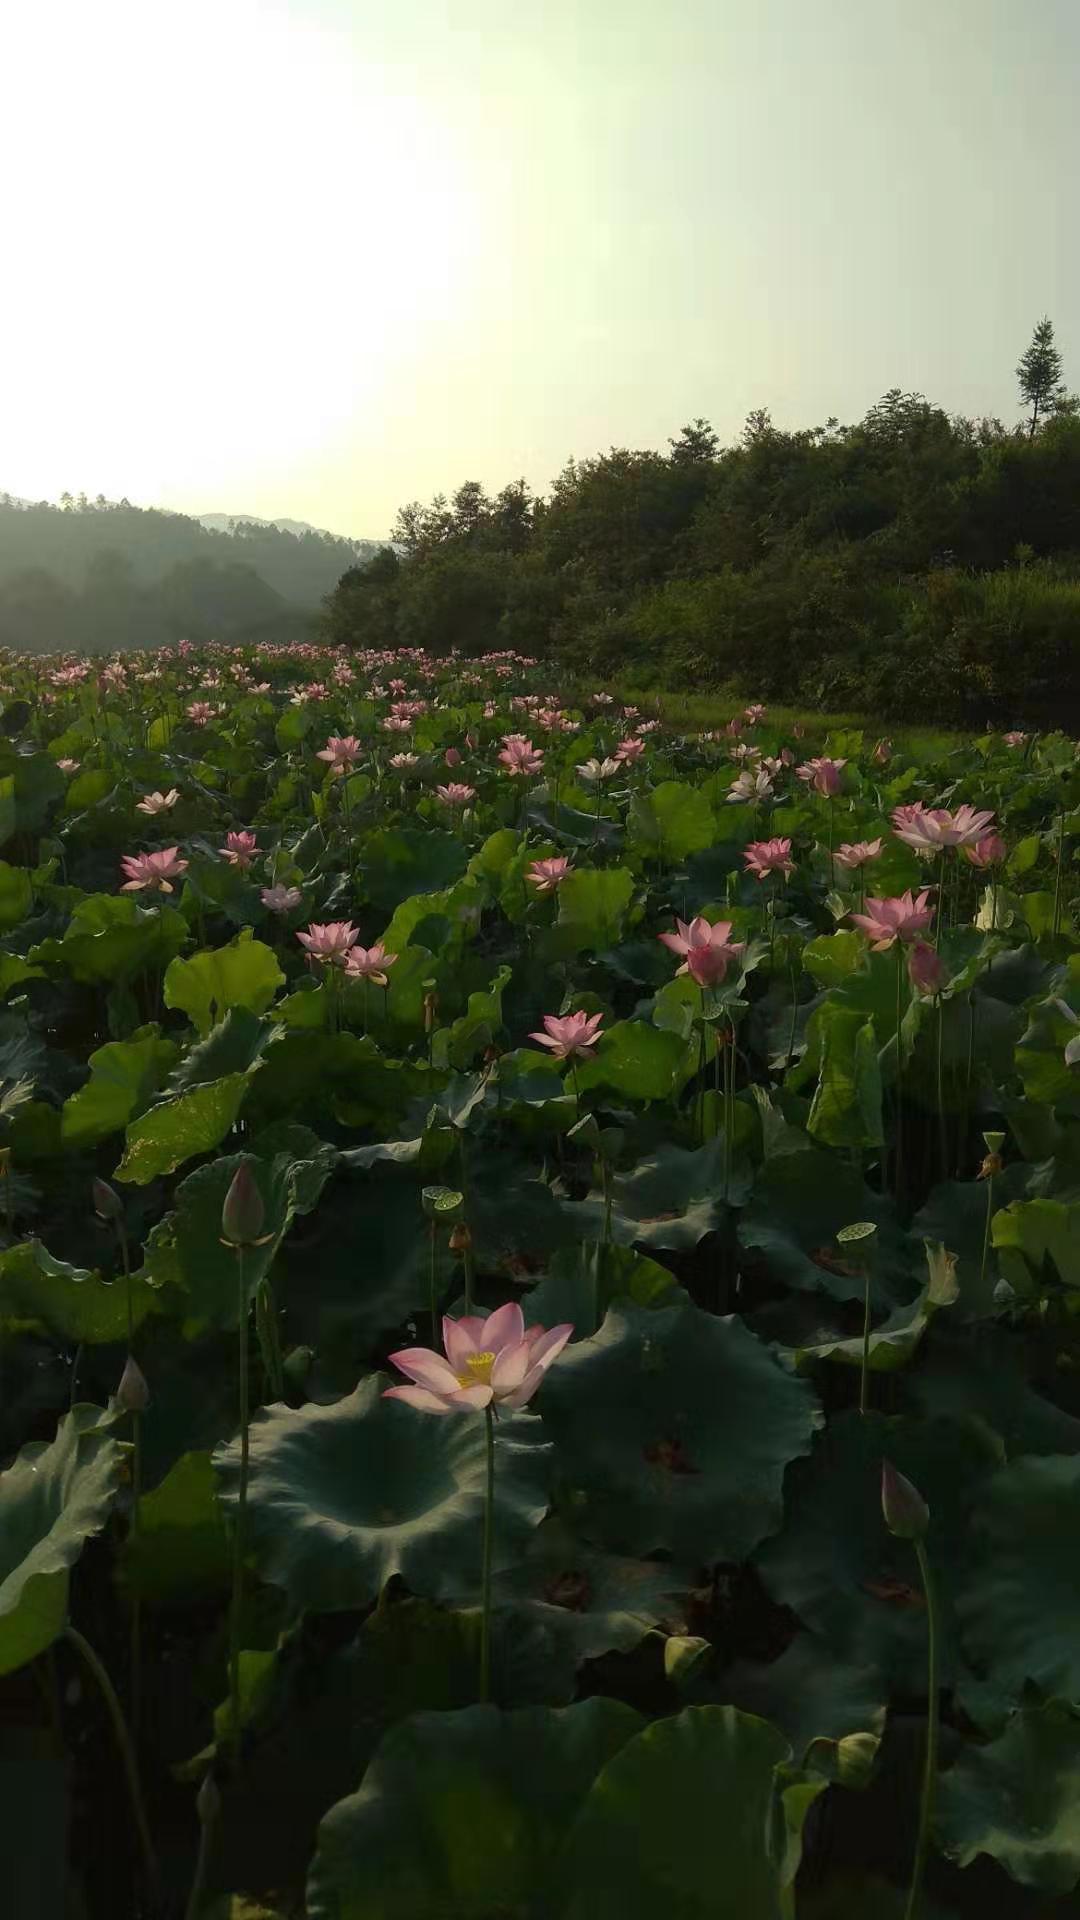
x: 539, y: 1338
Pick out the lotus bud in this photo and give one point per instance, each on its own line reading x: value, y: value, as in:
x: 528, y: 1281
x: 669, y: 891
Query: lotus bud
x: 1004, y: 1294
x: 907, y: 1515
x: 430, y: 1006
x: 133, y: 1394
x: 243, y: 1213
x: 107, y: 1202
x: 461, y: 1238
x: 208, y: 1801
x: 926, y: 968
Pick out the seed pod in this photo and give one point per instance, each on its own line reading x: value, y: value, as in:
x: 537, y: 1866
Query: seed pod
x: 907, y: 1515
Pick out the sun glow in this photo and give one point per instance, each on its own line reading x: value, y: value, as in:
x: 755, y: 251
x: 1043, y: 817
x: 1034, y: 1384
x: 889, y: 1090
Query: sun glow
x: 223, y: 233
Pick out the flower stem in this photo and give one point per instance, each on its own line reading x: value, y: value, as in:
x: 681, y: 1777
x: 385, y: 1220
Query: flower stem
x: 241, y: 1516
x: 202, y: 1861
x: 943, y: 1125
x: 1060, y: 869
x: 433, y: 1286
x: 864, y: 1378
x: 485, y: 1577
x: 899, y: 1159
x: 986, y: 1230
x: 930, y: 1765
x: 123, y: 1740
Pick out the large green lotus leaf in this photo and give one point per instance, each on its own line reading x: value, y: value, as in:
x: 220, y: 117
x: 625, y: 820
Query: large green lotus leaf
x: 314, y: 1074
x: 368, y: 1244
x: 639, y: 1061
x: 1018, y: 1800
x: 179, y: 1556
x: 1040, y: 1054
x: 839, y: 1569
x: 673, y: 1430
x: 1017, y: 1604
x: 53, y: 1497
x: 244, y: 974
x: 846, y: 1106
x: 344, y: 1497
x: 693, y: 1818
x: 71, y: 1304
x: 233, y: 1046
x: 180, y: 1127
x: 955, y: 1213
x: 440, y: 921
x: 833, y: 957
x: 799, y: 1204
x: 463, y: 1814
x: 15, y: 973
x: 831, y: 1710
x: 460, y: 1046
x: 582, y: 1282
x: 38, y: 783
x: 671, y: 822
x: 110, y: 938
x: 593, y: 907
x: 400, y: 861
x: 124, y: 1076
x: 1038, y: 1245
x: 16, y: 895
x: 186, y: 1247
x: 989, y: 1379
x: 672, y: 1199
x: 894, y: 1342
x: 396, y: 1017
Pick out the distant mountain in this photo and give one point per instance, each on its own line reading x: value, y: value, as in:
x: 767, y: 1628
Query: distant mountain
x: 228, y: 523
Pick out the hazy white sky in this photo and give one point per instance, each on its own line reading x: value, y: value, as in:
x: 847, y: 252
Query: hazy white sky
x: 317, y: 257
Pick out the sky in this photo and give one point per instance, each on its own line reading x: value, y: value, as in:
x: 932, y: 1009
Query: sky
x: 319, y: 257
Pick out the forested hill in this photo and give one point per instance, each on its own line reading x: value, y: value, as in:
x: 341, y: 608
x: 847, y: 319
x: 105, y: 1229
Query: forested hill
x: 914, y: 562
x: 102, y: 574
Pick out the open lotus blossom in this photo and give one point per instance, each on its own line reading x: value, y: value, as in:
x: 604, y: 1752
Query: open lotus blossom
x: 200, y: 713
x: 341, y: 753
x: 152, y: 872
x: 931, y: 829
x: 1015, y: 738
x: 769, y: 856
x: 492, y: 1359
x: 630, y: 751
x: 370, y: 963
x: 281, y: 899
x: 239, y: 850
x: 989, y: 851
x: 707, y: 950
x: 570, y: 1035
x: 402, y: 762
x: 69, y: 766
x: 328, y: 941
x: 751, y: 784
x: 857, y: 853
x: 519, y: 756
x: 903, y: 917
x: 822, y: 774
x: 546, y: 875
x: 926, y: 968
x: 157, y: 802
x: 455, y: 794
x: 596, y: 770
x: 754, y: 713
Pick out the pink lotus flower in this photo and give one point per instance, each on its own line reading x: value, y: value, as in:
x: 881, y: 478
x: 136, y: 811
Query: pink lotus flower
x: 200, y: 712
x: 822, y: 774
x: 452, y: 756
x: 370, y: 963
x: 281, y: 899
x: 707, y: 949
x: 769, y: 856
x: 519, y: 756
x: 856, y: 853
x: 546, y: 875
x: 926, y: 969
x: 571, y: 1035
x: 930, y: 830
x: 1015, y: 738
x: 989, y: 851
x: 69, y: 766
x: 901, y: 918
x: 629, y: 751
x: 152, y: 872
x: 401, y: 762
x: 754, y: 713
x: 341, y: 753
x: 239, y: 850
x: 734, y: 728
x: 157, y: 802
x: 749, y: 785
x: 596, y: 770
x: 328, y: 941
x: 489, y: 1360
x: 455, y: 795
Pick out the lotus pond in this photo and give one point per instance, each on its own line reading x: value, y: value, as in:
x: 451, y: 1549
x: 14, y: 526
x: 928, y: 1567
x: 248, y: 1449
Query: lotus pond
x: 539, y: 1299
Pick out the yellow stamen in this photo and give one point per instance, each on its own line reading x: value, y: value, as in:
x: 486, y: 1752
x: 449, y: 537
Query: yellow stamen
x: 477, y: 1370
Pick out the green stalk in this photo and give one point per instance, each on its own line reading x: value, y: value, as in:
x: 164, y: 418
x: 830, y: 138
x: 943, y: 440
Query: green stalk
x: 135, y: 1667
x: 864, y: 1379
x: 986, y: 1231
x: 467, y: 1251
x: 1060, y: 870
x: 930, y: 1765
x: 899, y: 1159
x: 123, y: 1740
x: 433, y: 1287
x: 943, y: 1128
x: 207, y: 1823
x: 241, y: 1516
x: 485, y: 1577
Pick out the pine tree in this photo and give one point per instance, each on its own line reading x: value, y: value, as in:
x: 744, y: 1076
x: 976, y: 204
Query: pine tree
x: 1039, y: 374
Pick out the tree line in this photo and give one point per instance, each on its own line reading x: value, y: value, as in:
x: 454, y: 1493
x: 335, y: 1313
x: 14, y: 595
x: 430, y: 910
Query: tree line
x: 914, y: 561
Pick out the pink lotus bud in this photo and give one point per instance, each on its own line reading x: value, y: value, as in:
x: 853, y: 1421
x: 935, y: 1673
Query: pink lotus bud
x: 452, y: 757
x: 243, y: 1213
x: 133, y: 1394
x: 107, y: 1202
x: 907, y: 1515
x: 926, y: 969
